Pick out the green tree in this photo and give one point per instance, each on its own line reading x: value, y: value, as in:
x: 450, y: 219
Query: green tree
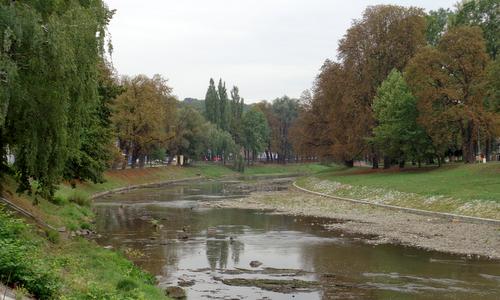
x: 437, y: 22
x: 190, y: 133
x: 398, y: 134
x: 255, y: 132
x: 285, y: 111
x: 224, y: 107
x: 49, y: 68
x: 220, y: 143
x: 236, y: 107
x: 482, y: 13
x: 212, y: 109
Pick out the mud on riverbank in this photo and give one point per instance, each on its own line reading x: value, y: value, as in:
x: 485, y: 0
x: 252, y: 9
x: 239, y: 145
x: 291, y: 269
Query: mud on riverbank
x: 387, y: 226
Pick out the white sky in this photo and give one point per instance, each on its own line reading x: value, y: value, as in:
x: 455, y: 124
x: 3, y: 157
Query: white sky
x: 268, y: 48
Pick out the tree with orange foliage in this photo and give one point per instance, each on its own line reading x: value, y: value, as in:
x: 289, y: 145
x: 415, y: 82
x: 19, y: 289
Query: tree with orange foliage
x: 449, y: 84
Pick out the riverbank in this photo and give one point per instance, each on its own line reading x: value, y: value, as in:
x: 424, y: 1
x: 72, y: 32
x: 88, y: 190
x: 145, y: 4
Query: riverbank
x: 72, y: 264
x: 471, y: 190
x: 379, y: 225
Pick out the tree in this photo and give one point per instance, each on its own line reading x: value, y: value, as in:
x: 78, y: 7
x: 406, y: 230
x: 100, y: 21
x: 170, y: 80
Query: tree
x: 236, y: 107
x: 219, y: 142
x: 212, y: 108
x: 255, y: 132
x: 285, y: 111
x: 384, y: 39
x: 190, y: 132
x: 141, y: 114
x: 437, y: 23
x: 397, y: 132
x: 449, y: 85
x: 49, y: 68
x: 97, y: 147
x: 225, y: 110
x: 482, y: 13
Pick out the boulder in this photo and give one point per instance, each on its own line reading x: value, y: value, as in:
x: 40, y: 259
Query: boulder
x: 175, y: 292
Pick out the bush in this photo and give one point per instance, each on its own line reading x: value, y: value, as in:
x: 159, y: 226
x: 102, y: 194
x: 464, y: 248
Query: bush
x: 53, y: 236
x: 58, y: 200
x: 126, y: 285
x: 19, y: 264
x: 79, y: 198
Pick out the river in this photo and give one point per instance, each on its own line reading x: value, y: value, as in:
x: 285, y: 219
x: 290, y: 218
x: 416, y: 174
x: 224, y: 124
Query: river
x: 166, y: 232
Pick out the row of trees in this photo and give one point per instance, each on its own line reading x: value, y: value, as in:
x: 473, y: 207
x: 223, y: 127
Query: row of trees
x: 408, y: 86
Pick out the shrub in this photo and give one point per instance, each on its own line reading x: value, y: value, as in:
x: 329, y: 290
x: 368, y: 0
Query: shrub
x: 79, y: 198
x: 58, y: 200
x: 19, y: 264
x: 53, y: 236
x: 126, y: 285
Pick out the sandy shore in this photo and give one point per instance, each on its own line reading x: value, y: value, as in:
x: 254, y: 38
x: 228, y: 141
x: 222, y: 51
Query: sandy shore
x: 451, y: 236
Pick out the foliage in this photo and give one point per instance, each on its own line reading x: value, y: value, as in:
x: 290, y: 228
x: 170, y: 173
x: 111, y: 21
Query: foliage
x: 79, y: 198
x: 219, y: 142
x: 190, y: 131
x: 397, y: 132
x: 42, y: 118
x: 255, y: 131
x: 437, y: 22
x: 449, y: 85
x: 482, y: 13
x: 143, y: 115
x: 19, y: 262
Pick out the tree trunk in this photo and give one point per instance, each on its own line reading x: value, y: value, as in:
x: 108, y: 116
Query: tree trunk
x: 468, y: 144
x: 387, y: 162
x: 349, y: 163
x: 401, y: 163
x: 142, y: 161
x: 374, y: 158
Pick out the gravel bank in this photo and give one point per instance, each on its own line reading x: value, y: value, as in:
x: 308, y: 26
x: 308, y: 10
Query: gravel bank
x: 452, y: 236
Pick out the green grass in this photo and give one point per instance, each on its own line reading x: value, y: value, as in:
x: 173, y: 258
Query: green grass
x: 476, y: 181
x: 275, y: 169
x: 464, y: 189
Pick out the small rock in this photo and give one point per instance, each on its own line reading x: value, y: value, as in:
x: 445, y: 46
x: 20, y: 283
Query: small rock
x: 185, y: 282
x: 175, y: 292
x: 62, y: 229
x: 182, y: 236
x: 255, y: 264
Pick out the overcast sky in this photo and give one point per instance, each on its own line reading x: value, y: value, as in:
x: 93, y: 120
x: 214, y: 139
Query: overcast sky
x: 268, y: 48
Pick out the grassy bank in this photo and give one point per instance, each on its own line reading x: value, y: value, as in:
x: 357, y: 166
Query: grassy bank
x: 463, y: 189
x: 55, y: 265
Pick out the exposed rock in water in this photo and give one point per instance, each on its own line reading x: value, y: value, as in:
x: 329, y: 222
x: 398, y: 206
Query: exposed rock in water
x: 255, y: 264
x: 279, y: 286
x: 175, y: 292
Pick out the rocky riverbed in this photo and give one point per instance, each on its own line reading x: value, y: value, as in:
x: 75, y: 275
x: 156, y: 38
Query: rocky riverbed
x: 380, y: 225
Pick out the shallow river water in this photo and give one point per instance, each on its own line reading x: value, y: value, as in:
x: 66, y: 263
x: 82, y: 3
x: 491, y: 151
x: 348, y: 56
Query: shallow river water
x: 166, y: 233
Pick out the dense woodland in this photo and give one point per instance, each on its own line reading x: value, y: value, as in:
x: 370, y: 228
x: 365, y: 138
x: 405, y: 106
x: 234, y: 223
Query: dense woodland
x: 406, y: 86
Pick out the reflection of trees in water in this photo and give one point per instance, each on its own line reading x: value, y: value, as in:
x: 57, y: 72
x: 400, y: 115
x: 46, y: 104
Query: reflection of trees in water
x: 217, y: 251
x: 236, y: 248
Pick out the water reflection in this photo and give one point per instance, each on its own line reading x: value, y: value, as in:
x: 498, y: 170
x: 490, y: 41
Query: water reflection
x: 222, y: 242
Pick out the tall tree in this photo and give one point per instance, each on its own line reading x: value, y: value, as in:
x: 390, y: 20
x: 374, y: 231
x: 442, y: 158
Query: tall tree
x: 49, y: 63
x: 212, y: 108
x: 190, y: 131
x: 384, y: 39
x: 482, y: 13
x: 236, y: 108
x: 285, y: 111
x: 397, y: 132
x: 224, y: 107
x: 437, y: 23
x: 449, y: 84
x: 140, y: 116
x: 255, y: 133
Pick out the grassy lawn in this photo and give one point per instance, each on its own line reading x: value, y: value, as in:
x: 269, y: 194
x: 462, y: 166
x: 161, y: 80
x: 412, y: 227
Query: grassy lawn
x: 458, y: 188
